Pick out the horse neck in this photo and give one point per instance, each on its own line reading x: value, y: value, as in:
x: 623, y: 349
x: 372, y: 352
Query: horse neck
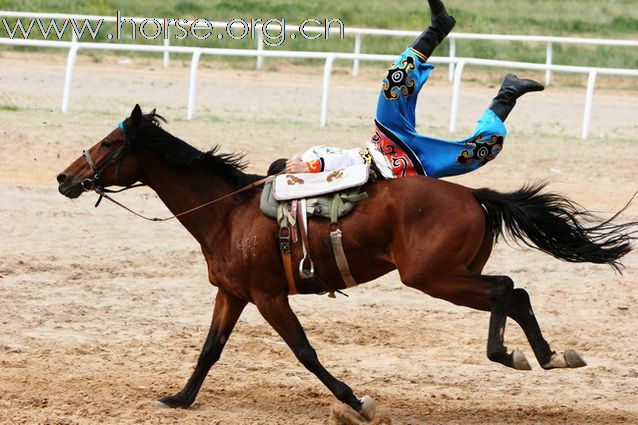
x: 182, y: 189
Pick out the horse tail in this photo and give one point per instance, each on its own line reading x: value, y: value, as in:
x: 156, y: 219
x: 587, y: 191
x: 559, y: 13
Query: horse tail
x: 557, y: 226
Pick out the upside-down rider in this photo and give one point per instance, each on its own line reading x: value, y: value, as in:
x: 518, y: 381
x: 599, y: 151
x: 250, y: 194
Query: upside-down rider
x: 396, y: 149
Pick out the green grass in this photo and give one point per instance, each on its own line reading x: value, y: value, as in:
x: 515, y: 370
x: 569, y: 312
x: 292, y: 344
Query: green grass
x: 581, y: 18
x: 8, y: 107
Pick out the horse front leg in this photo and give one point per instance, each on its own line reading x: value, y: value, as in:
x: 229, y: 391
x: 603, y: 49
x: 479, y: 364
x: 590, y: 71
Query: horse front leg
x: 277, y: 312
x: 226, y: 312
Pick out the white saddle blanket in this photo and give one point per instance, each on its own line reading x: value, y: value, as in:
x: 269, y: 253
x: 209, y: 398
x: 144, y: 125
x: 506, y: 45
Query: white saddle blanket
x: 305, y: 185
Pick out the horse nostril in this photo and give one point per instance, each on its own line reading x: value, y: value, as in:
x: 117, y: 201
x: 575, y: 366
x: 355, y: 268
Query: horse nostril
x: 61, y: 178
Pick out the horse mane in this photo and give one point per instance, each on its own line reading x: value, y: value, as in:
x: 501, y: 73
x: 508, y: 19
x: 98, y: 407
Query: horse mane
x: 177, y: 153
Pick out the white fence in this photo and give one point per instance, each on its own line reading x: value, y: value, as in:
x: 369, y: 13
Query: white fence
x: 456, y: 64
x: 358, y: 34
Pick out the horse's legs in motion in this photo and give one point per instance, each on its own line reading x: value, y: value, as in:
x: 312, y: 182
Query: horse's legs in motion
x: 225, y: 315
x: 487, y: 293
x: 497, y: 295
x: 515, y: 303
x: 521, y: 311
x: 500, y: 294
x: 277, y: 312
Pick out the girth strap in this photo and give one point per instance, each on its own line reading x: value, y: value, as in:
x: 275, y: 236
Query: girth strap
x: 336, y: 237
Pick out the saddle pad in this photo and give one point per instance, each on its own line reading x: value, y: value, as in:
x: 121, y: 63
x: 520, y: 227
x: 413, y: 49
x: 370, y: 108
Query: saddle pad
x: 305, y: 185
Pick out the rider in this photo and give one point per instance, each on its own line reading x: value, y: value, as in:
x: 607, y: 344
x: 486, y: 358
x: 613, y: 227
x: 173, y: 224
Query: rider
x: 396, y: 149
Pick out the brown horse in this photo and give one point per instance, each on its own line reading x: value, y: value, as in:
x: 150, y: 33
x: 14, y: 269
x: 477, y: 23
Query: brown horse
x: 439, y: 235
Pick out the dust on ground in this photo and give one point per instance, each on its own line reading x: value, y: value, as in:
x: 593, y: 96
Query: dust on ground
x: 102, y: 313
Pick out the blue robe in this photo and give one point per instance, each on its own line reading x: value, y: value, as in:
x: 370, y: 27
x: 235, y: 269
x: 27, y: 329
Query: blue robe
x: 410, y: 153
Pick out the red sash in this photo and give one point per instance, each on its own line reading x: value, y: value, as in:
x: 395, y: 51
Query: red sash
x: 397, y: 159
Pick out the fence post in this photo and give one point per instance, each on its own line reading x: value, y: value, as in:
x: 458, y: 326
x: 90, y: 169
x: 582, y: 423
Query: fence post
x: 68, y: 77
x: 357, y: 50
x: 327, y: 74
x: 589, y: 98
x: 260, y: 47
x: 456, y: 94
x: 167, y: 43
x: 192, y: 88
x: 548, y: 62
x: 452, y: 56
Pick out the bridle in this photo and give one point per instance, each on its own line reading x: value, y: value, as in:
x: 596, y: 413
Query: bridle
x: 89, y: 184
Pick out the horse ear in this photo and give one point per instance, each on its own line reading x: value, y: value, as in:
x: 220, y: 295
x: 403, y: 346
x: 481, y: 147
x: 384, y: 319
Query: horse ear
x: 136, y: 116
x: 152, y: 112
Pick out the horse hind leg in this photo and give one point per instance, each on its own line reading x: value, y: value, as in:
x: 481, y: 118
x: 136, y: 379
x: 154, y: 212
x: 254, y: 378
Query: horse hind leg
x: 497, y: 295
x: 506, y: 301
x: 500, y: 298
x: 521, y: 311
x: 480, y: 292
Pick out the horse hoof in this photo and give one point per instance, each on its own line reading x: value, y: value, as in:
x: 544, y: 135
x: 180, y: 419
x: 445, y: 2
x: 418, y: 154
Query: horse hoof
x: 569, y: 359
x: 520, y: 361
x: 574, y: 359
x: 172, y: 402
x: 368, y: 407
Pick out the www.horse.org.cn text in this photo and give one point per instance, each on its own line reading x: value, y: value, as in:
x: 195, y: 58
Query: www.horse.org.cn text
x: 273, y: 31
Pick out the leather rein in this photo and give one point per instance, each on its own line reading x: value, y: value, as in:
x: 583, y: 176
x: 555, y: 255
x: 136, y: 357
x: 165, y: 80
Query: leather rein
x: 101, y: 191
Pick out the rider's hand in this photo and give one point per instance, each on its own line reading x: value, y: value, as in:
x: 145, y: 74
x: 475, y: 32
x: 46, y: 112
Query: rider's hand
x: 295, y: 166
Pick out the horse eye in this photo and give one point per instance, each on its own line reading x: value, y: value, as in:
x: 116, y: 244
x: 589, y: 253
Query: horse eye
x: 106, y: 144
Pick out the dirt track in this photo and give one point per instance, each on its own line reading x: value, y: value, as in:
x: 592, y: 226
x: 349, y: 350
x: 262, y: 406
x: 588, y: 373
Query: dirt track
x: 102, y: 313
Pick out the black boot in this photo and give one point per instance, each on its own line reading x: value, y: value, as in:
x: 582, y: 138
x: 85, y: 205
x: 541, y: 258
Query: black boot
x: 511, y: 89
x: 442, y: 24
x: 436, y: 7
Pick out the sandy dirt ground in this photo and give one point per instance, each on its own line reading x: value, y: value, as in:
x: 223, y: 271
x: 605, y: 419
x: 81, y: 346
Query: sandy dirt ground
x: 102, y: 313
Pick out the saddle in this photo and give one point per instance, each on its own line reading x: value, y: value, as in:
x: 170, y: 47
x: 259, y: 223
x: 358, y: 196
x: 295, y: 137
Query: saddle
x: 291, y: 198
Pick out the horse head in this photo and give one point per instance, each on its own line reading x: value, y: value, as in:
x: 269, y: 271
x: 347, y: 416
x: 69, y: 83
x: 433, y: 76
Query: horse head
x: 111, y: 161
